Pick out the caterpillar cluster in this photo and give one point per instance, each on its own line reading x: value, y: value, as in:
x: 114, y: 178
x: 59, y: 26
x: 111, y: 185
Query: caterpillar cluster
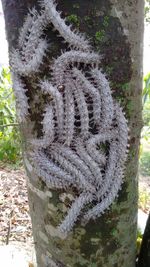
x: 85, y: 133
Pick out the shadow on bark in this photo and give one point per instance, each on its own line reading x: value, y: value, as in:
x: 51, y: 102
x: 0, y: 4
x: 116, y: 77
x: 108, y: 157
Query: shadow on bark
x: 144, y: 255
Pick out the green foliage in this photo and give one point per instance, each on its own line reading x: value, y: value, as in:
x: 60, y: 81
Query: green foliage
x: 144, y: 199
x: 147, y: 11
x: 9, y: 133
x: 146, y: 100
x: 138, y: 243
x: 146, y: 113
x: 145, y: 163
x: 146, y: 107
x: 146, y: 90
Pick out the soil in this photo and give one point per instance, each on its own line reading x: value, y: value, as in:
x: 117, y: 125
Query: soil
x: 16, y: 241
x: 14, y: 214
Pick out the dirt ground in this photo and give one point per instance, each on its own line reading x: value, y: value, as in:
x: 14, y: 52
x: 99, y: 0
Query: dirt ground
x: 16, y: 241
x: 14, y: 212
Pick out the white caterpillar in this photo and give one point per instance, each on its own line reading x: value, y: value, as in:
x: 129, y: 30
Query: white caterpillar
x: 85, y: 133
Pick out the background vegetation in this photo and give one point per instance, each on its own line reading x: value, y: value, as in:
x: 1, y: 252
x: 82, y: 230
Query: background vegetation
x: 147, y: 10
x: 9, y: 132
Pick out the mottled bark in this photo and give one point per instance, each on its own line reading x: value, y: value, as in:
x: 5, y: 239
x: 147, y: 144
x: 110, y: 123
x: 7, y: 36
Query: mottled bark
x: 115, y: 28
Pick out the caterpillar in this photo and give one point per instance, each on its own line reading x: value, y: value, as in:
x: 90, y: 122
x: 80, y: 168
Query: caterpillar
x: 85, y: 133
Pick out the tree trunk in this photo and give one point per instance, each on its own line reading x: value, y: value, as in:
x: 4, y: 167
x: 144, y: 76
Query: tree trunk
x: 115, y: 30
x: 144, y: 255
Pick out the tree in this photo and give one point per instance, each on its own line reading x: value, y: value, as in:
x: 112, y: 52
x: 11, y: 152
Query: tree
x: 74, y: 149
x: 144, y: 255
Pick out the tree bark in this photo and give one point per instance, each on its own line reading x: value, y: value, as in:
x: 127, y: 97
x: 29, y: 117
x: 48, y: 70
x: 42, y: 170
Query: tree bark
x: 144, y: 255
x: 115, y: 29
